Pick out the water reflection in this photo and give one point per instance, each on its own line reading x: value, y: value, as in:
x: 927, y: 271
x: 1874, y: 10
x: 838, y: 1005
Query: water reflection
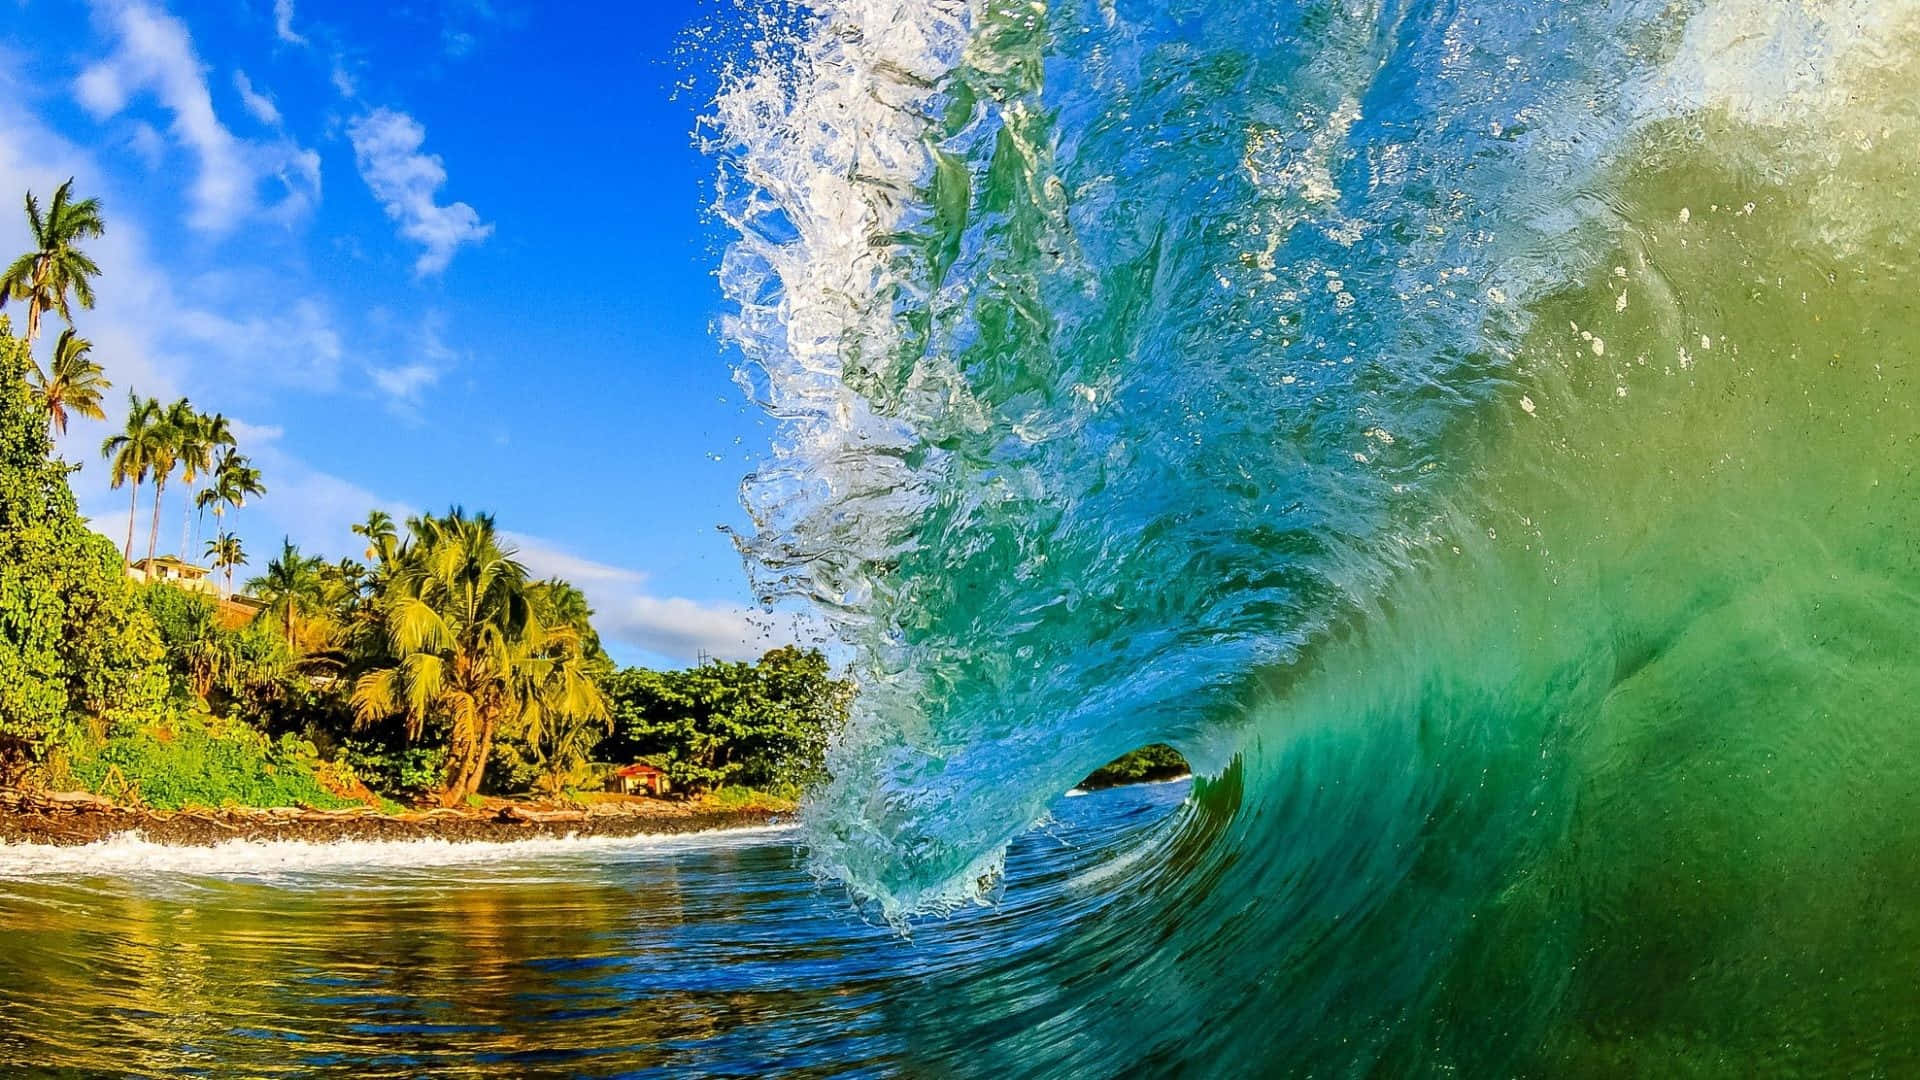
x: 719, y: 958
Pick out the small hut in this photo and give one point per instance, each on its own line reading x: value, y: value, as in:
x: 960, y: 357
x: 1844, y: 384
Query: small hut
x: 639, y: 778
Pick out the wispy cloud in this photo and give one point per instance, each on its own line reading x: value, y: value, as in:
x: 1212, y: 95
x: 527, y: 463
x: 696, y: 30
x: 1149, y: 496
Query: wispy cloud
x: 674, y: 627
x: 405, y: 382
x: 295, y: 345
x: 424, y: 357
x: 154, y: 54
x: 387, y: 145
x: 464, y: 24
x: 257, y: 103
x: 283, y: 23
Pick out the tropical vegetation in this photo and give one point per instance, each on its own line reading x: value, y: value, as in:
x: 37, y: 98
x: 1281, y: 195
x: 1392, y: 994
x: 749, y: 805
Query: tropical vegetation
x: 435, y: 667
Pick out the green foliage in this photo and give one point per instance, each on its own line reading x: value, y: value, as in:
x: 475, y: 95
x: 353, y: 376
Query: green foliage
x: 75, y: 653
x: 764, y: 724
x: 179, y: 616
x: 196, y: 761
x: 469, y: 650
x: 1157, y: 761
x: 395, y: 770
x: 780, y: 800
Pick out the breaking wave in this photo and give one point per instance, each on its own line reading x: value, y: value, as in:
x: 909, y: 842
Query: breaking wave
x: 1481, y: 437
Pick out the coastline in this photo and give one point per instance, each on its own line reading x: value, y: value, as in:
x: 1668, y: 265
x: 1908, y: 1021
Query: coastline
x: 71, y: 821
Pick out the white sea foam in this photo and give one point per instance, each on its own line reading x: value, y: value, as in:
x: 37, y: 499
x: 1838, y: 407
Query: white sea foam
x: 131, y: 855
x: 822, y: 139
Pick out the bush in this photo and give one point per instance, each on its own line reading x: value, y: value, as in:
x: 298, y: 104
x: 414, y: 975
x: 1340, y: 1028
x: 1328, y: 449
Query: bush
x: 197, y: 761
x: 764, y: 724
x: 75, y: 652
x: 394, y: 770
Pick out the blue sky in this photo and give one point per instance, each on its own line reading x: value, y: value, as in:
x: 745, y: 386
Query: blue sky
x: 451, y: 251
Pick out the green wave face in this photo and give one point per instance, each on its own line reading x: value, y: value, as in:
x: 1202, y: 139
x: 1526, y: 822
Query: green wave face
x: 1484, y: 436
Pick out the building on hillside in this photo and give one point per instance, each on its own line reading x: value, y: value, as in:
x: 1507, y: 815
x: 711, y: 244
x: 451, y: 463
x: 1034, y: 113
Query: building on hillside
x: 639, y: 778
x: 176, y: 572
x: 237, y: 611
x: 232, y: 612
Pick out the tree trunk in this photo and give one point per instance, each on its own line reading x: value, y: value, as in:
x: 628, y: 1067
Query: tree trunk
x: 460, y: 757
x: 33, y: 302
x: 186, y: 526
x: 479, y: 770
x: 133, y: 511
x: 153, y: 533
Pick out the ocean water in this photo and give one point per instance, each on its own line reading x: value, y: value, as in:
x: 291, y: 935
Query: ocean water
x: 1481, y: 436
x: 710, y: 955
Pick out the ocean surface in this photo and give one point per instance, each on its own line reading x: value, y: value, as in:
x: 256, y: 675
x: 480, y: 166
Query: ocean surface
x: 709, y: 955
x: 1481, y: 436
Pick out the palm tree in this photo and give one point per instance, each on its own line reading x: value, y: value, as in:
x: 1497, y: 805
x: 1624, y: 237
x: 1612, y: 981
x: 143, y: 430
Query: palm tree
x: 234, y: 481
x: 462, y: 623
x: 199, y: 436
x: 44, y: 276
x: 564, y: 714
x: 72, y: 383
x: 175, y: 425
x: 226, y: 552
x: 132, y: 454
x: 291, y: 588
x: 381, y: 535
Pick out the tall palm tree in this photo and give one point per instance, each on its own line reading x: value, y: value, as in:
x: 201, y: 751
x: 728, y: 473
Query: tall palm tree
x: 235, y: 480
x: 195, y: 442
x: 226, y: 552
x: 291, y: 588
x: 461, y: 621
x: 166, y: 455
x: 381, y: 535
x: 72, y: 383
x: 132, y: 453
x: 54, y: 268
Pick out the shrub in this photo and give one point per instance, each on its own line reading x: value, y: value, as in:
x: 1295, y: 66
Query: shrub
x: 198, y: 761
x: 74, y: 650
x: 394, y: 770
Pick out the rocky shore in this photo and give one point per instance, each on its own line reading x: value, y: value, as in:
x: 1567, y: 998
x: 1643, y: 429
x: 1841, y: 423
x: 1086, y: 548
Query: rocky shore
x: 68, y: 818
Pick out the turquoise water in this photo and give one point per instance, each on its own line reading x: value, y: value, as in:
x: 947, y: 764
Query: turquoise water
x: 1481, y: 436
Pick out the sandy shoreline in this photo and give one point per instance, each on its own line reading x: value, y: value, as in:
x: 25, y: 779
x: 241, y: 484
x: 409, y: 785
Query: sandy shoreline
x: 76, y: 820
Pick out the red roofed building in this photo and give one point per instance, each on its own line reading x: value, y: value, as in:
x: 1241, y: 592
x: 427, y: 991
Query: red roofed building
x: 640, y: 778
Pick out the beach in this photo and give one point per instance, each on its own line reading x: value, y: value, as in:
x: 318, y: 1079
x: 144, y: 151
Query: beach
x: 70, y: 819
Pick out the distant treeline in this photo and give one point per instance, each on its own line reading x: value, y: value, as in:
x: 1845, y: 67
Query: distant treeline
x: 1157, y: 761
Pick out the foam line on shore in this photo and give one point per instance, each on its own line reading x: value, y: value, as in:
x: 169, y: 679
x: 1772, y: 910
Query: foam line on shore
x: 130, y: 854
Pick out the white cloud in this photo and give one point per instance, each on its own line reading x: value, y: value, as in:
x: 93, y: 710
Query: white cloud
x: 386, y: 144
x: 405, y: 382
x: 257, y: 103
x: 674, y: 627
x: 427, y: 358
x: 293, y: 345
x: 154, y: 54
x: 283, y: 23
x: 148, y: 143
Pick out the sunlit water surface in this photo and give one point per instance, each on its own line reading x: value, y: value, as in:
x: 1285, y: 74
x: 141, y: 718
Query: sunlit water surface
x: 713, y: 955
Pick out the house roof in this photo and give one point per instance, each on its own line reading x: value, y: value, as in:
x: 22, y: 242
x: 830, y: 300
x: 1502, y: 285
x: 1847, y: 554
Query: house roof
x: 639, y: 768
x: 173, y: 561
